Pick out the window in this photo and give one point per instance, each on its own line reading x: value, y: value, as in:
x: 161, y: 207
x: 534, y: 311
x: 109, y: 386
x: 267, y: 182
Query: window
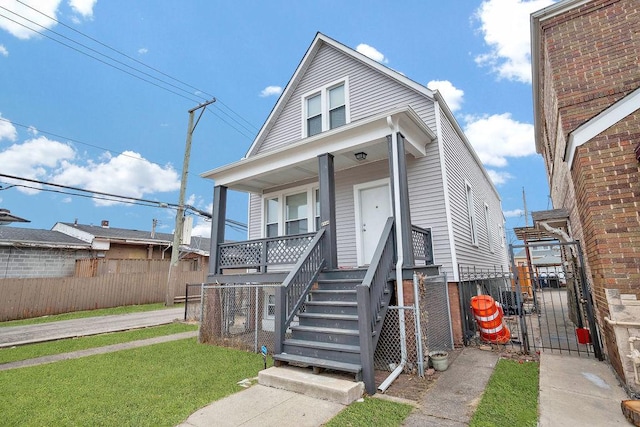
x: 487, y: 220
x: 470, y: 211
x: 326, y: 109
x: 296, y: 214
x: 502, y: 238
x: 295, y: 211
x: 271, y: 306
x: 314, y: 115
x: 272, y: 217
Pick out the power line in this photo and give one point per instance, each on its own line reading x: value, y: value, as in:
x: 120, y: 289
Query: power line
x: 114, y: 198
x: 252, y: 131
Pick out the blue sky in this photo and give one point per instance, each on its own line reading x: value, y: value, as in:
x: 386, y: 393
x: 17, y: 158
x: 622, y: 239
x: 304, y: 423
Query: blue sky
x: 70, y: 114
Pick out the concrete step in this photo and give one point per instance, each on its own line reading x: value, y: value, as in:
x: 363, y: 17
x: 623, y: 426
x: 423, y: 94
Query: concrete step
x: 320, y: 386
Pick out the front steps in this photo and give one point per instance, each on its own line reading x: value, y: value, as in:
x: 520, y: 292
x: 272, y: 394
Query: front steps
x: 327, y: 334
x: 319, y: 386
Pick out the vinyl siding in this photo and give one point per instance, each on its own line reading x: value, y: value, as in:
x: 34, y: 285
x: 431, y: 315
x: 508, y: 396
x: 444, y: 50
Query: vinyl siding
x: 461, y: 166
x: 370, y: 92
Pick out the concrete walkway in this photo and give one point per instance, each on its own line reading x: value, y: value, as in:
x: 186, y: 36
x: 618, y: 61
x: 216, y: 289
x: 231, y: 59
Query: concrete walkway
x: 29, y: 334
x: 578, y: 391
x: 457, y: 392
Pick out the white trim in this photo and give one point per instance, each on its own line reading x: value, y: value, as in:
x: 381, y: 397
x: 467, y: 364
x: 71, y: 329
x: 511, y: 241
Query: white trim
x: 324, y: 104
x: 447, y: 196
x: 471, y: 212
x: 356, y: 203
x: 335, y: 141
x: 607, y: 118
x: 487, y: 220
x: 281, y: 196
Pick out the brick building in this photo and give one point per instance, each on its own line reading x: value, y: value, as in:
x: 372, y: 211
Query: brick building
x: 586, y: 89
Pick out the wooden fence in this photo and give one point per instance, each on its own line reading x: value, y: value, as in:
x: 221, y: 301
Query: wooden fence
x: 25, y: 298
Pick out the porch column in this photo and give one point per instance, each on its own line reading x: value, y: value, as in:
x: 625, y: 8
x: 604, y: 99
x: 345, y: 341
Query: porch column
x: 327, y: 195
x: 397, y: 149
x: 217, y: 226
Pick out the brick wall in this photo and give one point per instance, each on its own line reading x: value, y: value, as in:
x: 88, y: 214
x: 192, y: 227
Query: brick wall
x: 38, y: 262
x: 589, y: 61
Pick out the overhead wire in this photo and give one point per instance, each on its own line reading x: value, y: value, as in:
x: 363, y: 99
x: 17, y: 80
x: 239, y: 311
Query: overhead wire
x: 100, y: 195
x: 249, y: 136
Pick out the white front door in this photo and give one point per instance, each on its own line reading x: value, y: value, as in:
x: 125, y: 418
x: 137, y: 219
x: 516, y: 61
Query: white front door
x: 373, y: 207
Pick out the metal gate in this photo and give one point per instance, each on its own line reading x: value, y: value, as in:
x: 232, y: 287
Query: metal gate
x: 552, y: 299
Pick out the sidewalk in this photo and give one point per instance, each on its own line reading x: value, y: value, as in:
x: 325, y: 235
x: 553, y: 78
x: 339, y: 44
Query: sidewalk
x: 578, y: 391
x: 28, y: 334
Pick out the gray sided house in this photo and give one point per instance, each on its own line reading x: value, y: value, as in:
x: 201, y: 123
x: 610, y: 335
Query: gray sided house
x: 359, y: 172
x: 31, y: 253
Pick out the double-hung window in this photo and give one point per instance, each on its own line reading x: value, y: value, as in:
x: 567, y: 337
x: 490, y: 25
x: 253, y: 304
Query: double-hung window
x: 326, y: 108
x: 272, y: 215
x: 487, y: 220
x: 296, y: 214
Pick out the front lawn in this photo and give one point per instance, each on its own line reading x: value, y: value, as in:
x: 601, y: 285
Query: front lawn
x: 371, y: 412
x: 158, y: 385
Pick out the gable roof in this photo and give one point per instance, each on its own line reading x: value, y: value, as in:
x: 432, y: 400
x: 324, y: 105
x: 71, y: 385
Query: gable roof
x: 319, y: 41
x: 18, y: 236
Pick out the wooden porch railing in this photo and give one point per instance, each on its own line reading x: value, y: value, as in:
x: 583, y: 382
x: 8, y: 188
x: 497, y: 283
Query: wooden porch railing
x: 371, y: 301
x: 422, y: 244
x: 261, y: 253
x: 294, y: 290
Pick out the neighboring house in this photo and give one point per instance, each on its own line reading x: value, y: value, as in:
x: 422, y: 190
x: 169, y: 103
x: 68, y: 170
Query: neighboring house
x: 374, y: 168
x: 30, y: 253
x: 122, y: 243
x: 586, y: 88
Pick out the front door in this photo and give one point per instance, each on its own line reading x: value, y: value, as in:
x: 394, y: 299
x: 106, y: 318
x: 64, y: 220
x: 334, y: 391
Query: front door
x: 373, y: 207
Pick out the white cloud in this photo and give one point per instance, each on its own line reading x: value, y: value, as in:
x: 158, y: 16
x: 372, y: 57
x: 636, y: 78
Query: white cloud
x: 19, y: 12
x: 498, y: 136
x: 451, y: 94
x: 127, y: 174
x: 499, y: 177
x: 506, y: 30
x: 271, y: 91
x: 3, y: 51
x: 143, y: 50
x: 33, y: 158
x: 83, y: 7
x: 513, y: 213
x: 7, y: 130
x: 372, y: 53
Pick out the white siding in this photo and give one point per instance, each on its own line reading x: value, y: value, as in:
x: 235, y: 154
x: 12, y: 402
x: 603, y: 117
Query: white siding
x: 255, y: 216
x: 370, y: 92
x: 461, y: 166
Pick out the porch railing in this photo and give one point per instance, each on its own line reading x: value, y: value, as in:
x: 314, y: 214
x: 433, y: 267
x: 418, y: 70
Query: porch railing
x: 373, y: 301
x: 422, y: 244
x: 261, y: 253
x: 294, y: 290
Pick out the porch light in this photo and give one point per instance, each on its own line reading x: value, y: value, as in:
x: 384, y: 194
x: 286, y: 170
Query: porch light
x: 360, y: 156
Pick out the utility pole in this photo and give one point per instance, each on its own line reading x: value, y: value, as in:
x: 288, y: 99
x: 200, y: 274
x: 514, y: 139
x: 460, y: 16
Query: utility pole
x: 177, y: 234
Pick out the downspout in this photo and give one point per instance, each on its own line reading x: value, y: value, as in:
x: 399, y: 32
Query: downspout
x: 399, y: 248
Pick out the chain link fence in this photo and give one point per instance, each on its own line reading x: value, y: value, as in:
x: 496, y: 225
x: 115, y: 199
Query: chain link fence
x: 243, y: 316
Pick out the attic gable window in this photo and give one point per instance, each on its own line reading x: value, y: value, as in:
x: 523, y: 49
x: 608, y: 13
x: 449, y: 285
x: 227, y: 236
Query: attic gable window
x: 326, y: 108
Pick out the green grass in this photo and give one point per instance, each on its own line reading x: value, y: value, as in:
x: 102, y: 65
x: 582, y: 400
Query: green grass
x: 371, y: 412
x: 511, y: 396
x: 158, y: 385
x: 73, y: 344
x: 88, y: 313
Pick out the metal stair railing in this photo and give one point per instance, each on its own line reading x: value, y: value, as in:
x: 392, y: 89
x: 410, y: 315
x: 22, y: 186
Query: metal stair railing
x: 294, y: 290
x: 371, y: 301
